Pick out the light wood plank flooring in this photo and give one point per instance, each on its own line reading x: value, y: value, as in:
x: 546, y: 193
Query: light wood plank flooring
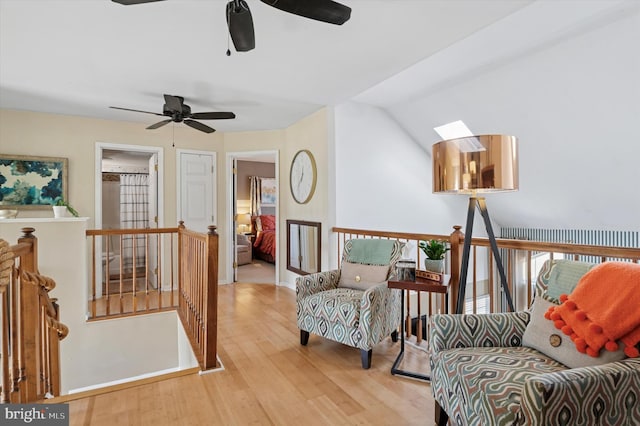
x: 270, y: 379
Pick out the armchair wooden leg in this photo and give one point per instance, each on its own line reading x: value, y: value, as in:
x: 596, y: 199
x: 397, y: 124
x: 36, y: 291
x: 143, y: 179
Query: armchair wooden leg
x: 365, y: 356
x: 394, y: 336
x: 441, y: 417
x: 304, y: 337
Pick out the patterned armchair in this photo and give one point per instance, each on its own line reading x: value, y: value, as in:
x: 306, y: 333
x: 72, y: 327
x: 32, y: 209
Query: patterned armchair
x: 517, y: 368
x: 352, y: 305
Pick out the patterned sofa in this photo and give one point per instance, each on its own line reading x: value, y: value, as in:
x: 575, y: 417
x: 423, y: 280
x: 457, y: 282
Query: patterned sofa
x: 483, y: 374
x: 357, y: 317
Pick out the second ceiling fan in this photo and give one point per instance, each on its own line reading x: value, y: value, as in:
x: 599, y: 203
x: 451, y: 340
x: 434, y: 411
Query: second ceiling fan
x: 240, y: 22
x: 179, y: 112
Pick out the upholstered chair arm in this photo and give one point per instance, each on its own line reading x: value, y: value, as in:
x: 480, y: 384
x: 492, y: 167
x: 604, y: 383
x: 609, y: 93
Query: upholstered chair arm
x: 307, y: 285
x: 447, y: 331
x: 379, y: 314
x: 603, y: 394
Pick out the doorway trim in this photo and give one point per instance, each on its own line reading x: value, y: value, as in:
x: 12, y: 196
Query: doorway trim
x: 231, y: 196
x: 100, y: 147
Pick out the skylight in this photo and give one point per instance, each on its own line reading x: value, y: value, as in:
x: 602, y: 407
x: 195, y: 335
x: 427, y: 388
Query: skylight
x: 453, y: 130
x: 458, y: 130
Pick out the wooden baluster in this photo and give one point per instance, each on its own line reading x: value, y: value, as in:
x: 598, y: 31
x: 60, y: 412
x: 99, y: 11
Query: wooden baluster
x: 475, y: 279
x: 146, y: 271
x: 211, y: 326
x: 16, y: 395
x: 158, y: 272
x: 30, y: 325
x: 172, y: 273
x: 456, y: 241
x: 93, y: 276
x: 134, y: 267
x: 6, y: 270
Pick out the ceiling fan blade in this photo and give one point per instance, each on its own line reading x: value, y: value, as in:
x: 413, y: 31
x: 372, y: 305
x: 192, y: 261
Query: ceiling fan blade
x: 321, y: 10
x: 199, y: 126
x: 174, y: 103
x: 159, y: 124
x: 136, y: 110
x: 213, y: 115
x: 240, y: 25
x: 130, y: 2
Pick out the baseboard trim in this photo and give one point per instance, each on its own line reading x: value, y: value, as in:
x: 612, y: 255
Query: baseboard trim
x: 121, y: 386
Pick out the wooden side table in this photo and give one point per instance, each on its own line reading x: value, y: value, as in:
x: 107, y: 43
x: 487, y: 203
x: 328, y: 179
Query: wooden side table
x: 420, y: 284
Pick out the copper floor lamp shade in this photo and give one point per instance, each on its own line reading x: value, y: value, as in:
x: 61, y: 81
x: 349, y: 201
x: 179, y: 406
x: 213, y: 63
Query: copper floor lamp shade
x: 472, y: 165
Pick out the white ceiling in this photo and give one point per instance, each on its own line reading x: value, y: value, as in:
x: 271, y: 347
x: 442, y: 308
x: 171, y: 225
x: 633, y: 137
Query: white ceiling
x: 80, y: 57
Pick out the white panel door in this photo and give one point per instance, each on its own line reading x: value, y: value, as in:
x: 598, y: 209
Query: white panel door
x: 197, y: 186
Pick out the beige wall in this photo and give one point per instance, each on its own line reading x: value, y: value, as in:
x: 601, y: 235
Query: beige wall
x: 31, y: 133
x: 309, y: 133
x: 246, y: 169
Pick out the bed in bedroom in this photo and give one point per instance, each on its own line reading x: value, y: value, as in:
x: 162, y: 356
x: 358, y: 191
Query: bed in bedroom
x: 264, y: 246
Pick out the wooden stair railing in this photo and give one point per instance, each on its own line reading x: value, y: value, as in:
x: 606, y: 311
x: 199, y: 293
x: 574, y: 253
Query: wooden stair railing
x: 198, y: 292
x: 29, y: 325
x: 42, y: 332
x: 132, y: 289
x: 195, y: 287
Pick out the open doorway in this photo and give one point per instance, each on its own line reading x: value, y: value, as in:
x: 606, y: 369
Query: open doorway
x: 128, y: 192
x: 113, y: 161
x: 253, y: 217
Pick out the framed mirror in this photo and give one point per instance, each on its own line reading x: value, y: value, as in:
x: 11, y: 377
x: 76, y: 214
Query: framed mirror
x: 303, y: 246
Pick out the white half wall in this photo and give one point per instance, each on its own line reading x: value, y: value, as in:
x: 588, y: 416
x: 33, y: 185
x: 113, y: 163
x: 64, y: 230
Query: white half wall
x: 99, y: 352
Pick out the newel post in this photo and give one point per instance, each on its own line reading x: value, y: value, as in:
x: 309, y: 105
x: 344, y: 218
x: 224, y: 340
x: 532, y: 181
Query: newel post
x: 30, y: 261
x: 211, y: 327
x: 456, y: 240
x: 30, y: 356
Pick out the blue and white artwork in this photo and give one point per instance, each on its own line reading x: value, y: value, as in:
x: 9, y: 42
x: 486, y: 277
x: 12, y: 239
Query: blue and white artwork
x: 268, y: 192
x: 32, y: 181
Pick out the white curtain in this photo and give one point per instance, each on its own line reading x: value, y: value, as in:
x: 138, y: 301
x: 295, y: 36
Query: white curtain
x: 134, y: 214
x: 256, y: 195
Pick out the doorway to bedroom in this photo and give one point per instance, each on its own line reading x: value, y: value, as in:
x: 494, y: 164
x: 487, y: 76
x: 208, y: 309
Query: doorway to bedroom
x: 254, y: 256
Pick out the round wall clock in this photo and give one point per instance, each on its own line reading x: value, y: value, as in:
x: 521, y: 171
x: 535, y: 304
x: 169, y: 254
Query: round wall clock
x: 302, y: 177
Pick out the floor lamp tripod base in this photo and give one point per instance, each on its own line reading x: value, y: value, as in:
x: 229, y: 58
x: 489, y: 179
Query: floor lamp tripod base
x: 480, y: 203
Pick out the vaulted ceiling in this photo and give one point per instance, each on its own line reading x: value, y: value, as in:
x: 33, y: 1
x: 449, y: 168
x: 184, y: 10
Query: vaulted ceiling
x: 80, y: 57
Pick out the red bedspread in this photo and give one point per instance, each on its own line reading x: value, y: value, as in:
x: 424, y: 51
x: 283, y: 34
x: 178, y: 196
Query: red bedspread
x: 266, y: 242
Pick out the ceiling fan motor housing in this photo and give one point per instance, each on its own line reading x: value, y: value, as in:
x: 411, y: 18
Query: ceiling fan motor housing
x: 177, y: 116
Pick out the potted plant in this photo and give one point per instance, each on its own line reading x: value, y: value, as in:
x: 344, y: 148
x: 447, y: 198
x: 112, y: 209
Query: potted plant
x: 61, y: 207
x: 435, y: 251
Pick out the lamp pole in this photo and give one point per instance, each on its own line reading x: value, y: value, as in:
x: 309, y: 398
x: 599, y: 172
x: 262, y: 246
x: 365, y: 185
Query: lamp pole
x: 480, y: 203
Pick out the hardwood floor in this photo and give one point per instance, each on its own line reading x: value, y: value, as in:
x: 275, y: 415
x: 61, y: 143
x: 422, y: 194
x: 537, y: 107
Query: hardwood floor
x: 270, y: 379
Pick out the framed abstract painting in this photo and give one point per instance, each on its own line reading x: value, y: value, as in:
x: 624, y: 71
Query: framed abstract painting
x: 28, y: 182
x: 268, y: 188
